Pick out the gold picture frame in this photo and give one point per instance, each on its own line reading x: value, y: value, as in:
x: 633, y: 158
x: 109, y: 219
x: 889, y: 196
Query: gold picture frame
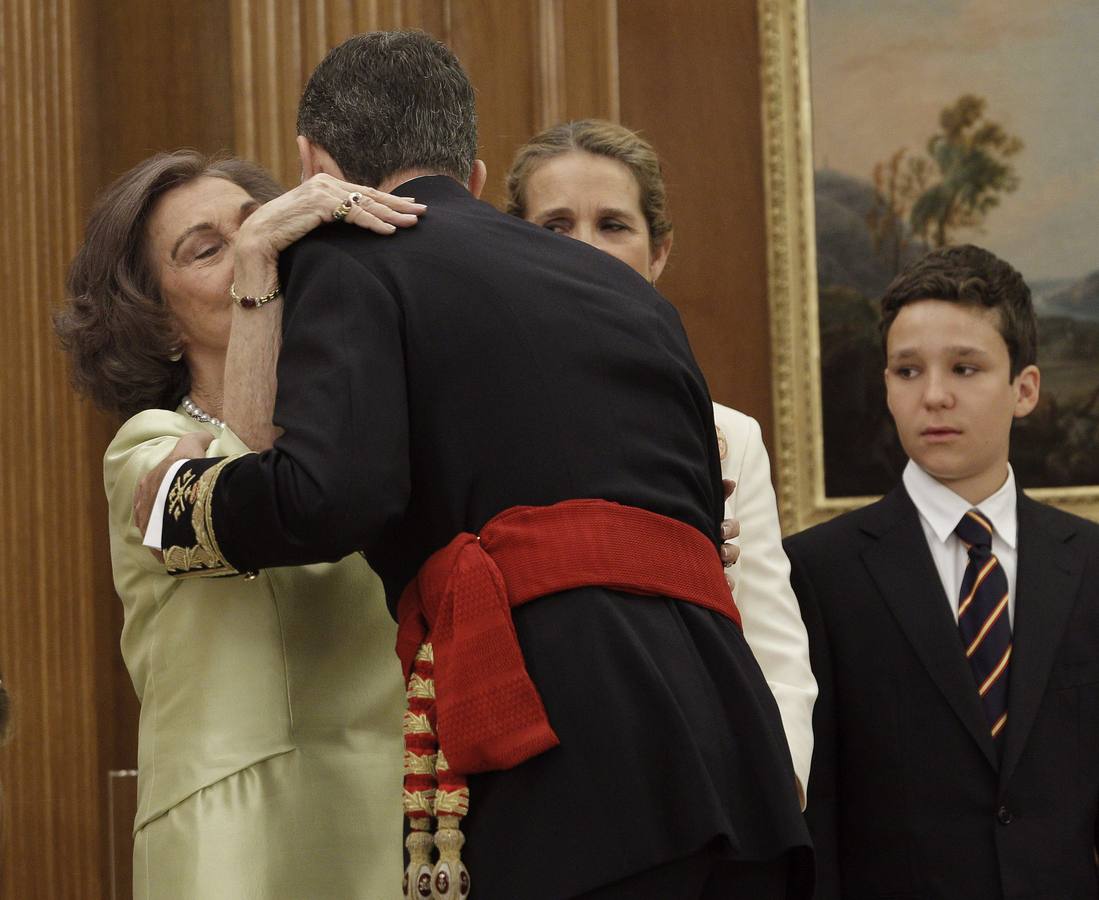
x: 792, y: 281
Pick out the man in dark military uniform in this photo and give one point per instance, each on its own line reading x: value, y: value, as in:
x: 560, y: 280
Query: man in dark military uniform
x: 430, y: 384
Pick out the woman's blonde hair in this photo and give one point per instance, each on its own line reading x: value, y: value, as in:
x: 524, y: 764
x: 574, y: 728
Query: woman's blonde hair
x: 600, y: 138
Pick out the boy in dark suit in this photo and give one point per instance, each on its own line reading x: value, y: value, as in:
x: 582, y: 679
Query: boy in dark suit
x: 954, y: 626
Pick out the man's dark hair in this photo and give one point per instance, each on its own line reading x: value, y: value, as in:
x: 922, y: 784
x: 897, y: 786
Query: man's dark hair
x: 975, y: 277
x: 388, y: 101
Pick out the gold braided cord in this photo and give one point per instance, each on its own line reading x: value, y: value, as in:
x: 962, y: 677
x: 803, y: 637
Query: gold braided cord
x: 420, y: 688
x: 415, y: 764
x: 417, y: 723
x: 452, y: 803
x: 419, y: 802
x: 423, y: 763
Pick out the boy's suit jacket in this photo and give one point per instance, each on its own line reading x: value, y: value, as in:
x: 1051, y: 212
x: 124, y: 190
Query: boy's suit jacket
x: 906, y: 798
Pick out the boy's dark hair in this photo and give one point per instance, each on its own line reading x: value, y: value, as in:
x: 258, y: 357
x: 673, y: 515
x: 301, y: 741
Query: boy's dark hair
x: 975, y: 277
x: 388, y: 101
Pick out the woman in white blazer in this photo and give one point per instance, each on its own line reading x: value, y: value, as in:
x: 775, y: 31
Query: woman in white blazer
x: 600, y: 183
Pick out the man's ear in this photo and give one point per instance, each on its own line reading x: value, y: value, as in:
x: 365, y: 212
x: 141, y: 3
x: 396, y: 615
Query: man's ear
x: 315, y: 159
x: 1028, y: 385
x: 477, y: 177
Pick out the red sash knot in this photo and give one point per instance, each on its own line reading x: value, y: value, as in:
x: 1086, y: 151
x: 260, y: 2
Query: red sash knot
x: 488, y: 713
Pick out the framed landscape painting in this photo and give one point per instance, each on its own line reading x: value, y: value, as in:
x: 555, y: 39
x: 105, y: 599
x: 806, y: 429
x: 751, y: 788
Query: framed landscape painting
x: 892, y: 127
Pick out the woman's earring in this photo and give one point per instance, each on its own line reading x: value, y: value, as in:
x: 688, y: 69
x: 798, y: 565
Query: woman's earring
x: 177, y: 356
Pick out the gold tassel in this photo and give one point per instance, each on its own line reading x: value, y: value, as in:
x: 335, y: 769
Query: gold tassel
x: 417, y: 877
x: 420, y: 784
x: 450, y: 879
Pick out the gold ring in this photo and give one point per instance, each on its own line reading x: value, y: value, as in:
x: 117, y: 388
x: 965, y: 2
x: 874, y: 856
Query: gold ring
x: 343, y: 210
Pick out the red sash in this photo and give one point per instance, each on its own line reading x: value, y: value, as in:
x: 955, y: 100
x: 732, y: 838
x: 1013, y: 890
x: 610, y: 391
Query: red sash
x: 489, y: 714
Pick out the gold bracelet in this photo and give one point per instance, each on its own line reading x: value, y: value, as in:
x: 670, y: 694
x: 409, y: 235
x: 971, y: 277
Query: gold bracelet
x: 253, y: 302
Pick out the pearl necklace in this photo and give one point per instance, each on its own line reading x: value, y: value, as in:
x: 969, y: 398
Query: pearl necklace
x: 197, y: 412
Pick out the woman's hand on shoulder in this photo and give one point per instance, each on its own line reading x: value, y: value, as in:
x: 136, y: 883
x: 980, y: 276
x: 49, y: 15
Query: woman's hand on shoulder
x: 282, y: 221
x: 730, y: 529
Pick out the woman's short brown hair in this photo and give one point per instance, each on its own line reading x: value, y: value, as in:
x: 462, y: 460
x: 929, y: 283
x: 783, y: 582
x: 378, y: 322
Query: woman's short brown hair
x: 115, y: 325
x: 601, y: 138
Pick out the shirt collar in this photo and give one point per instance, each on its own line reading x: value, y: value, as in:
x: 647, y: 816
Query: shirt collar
x: 943, y: 509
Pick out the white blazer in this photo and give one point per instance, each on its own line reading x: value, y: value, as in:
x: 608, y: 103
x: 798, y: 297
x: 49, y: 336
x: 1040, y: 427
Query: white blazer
x: 768, y: 608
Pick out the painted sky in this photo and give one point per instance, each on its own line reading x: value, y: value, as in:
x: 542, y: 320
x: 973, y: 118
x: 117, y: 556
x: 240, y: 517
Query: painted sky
x: 882, y: 70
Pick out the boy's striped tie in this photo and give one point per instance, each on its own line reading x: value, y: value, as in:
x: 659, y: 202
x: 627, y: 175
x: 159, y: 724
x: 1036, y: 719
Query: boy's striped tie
x: 983, y: 620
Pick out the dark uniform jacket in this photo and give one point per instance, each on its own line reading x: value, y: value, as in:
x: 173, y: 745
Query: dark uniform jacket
x: 473, y: 363
x: 906, y: 796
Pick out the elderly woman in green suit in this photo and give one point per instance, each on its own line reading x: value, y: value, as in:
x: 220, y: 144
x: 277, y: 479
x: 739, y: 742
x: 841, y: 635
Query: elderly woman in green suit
x: 269, y: 744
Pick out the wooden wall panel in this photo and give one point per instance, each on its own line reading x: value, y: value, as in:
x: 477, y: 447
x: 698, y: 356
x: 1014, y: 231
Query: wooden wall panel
x: 87, y: 88
x: 533, y: 63
x: 52, y: 620
x: 578, y: 61
x: 505, y: 79
x: 689, y: 74
x: 161, y: 79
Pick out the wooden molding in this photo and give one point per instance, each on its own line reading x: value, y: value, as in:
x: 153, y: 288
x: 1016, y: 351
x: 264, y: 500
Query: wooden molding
x: 577, y: 54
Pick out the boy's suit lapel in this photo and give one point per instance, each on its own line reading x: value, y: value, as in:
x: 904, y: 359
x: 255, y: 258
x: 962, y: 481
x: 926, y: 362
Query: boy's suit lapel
x: 1045, y: 591
x: 900, y: 563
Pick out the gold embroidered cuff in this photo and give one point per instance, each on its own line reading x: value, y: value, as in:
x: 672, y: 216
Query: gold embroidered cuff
x: 201, y: 556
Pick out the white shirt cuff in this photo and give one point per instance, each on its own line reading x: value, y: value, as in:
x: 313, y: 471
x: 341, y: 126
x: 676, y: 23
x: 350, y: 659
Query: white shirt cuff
x: 156, y: 518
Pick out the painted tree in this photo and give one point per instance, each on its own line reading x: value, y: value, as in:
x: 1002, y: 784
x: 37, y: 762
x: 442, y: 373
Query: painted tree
x: 898, y: 183
x: 961, y: 178
x: 972, y: 155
